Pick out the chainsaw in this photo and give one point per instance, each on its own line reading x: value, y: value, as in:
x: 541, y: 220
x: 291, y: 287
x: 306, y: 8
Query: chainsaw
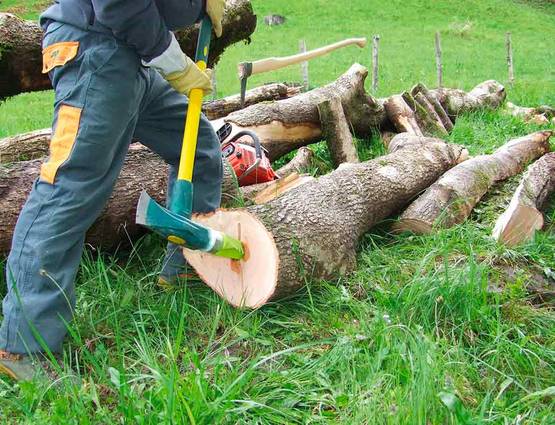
x: 246, y: 156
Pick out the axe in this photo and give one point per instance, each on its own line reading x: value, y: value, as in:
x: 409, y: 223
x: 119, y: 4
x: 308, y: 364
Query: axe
x: 246, y: 69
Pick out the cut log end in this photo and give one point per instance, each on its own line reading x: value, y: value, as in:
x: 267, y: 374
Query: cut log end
x: 518, y: 225
x: 250, y: 282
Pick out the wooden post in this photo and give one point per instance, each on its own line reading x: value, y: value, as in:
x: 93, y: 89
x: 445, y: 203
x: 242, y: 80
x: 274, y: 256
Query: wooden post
x: 439, y: 63
x: 509, y: 45
x: 304, y: 66
x: 375, y: 63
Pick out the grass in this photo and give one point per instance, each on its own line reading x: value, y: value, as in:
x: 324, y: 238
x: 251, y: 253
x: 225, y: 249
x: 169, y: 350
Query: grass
x: 428, y: 330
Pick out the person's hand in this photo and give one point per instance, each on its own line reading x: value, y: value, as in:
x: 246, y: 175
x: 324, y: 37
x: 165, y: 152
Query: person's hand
x: 191, y: 78
x: 215, y: 10
x: 180, y: 71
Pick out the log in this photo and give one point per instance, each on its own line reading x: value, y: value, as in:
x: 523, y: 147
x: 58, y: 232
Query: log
x: 25, y: 147
x: 288, y: 124
x: 523, y: 217
x: 539, y: 115
x: 487, y: 95
x: 142, y: 170
x: 220, y: 108
x: 402, y: 116
x: 451, y: 199
x: 442, y: 114
x: 301, y: 163
x: 312, y: 232
x: 21, y: 53
x: 428, y: 123
x: 404, y: 140
x: 335, y: 130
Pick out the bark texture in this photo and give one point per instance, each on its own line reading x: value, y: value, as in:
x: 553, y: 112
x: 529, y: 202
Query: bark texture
x: 275, y: 91
x: 404, y: 140
x: 523, y: 217
x: 335, y: 130
x: 441, y: 113
x: 142, y: 170
x: 451, y: 199
x: 21, y: 52
x: 286, y: 125
x: 487, y: 95
x: 316, y: 242
x: 538, y: 115
x: 402, y: 116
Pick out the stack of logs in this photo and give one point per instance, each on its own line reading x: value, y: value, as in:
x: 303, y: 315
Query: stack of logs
x: 300, y: 227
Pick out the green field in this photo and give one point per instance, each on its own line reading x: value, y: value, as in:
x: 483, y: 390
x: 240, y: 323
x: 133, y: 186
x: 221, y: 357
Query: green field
x: 430, y: 330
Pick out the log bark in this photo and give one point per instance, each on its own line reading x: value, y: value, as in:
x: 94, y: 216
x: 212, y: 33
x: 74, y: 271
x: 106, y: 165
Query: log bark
x: 487, y: 95
x: 142, y: 170
x: 286, y: 125
x: 21, y: 52
x: 335, y: 130
x: 523, y: 217
x: 451, y: 199
x: 25, y: 147
x: 292, y: 239
x: 428, y: 123
x: 539, y: 115
x: 220, y: 108
x: 402, y: 116
x: 442, y: 114
x: 404, y: 140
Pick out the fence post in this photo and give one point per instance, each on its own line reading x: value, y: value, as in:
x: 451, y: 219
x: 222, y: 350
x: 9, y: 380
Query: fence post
x: 375, y: 62
x: 304, y: 66
x: 439, y: 64
x: 509, y: 46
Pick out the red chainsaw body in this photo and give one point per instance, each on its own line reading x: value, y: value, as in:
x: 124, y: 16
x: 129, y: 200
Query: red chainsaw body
x: 246, y: 156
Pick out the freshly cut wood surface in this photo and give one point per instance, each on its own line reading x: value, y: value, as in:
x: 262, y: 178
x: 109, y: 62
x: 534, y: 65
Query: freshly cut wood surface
x: 316, y: 227
x: 246, y: 283
x: 524, y: 217
x: 451, y: 199
x: 402, y: 116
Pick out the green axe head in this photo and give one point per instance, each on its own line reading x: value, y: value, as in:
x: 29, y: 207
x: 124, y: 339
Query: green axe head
x: 184, y: 231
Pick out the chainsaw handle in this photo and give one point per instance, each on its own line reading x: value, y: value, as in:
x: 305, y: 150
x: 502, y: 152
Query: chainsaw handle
x: 257, y: 145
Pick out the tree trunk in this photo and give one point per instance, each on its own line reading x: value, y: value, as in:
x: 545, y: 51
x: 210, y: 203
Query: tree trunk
x: 335, y: 130
x: 540, y: 115
x: 427, y: 122
x: 404, y: 140
x: 21, y: 52
x: 489, y: 94
x: 288, y: 124
x: 442, y: 114
x: 523, y: 217
x: 220, y: 108
x: 402, y: 116
x: 312, y: 231
x: 451, y: 199
x: 142, y: 170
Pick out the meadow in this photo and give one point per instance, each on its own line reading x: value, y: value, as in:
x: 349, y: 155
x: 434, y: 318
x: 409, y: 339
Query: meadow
x: 438, y: 329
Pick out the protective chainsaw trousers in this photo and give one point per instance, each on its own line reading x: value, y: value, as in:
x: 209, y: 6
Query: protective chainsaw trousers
x: 104, y: 98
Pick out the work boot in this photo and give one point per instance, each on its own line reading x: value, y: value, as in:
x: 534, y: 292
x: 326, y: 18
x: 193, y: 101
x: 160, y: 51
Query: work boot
x: 28, y: 368
x: 175, y: 269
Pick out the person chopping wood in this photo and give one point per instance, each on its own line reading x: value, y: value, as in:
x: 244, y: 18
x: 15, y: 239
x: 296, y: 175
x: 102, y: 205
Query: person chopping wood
x: 119, y: 74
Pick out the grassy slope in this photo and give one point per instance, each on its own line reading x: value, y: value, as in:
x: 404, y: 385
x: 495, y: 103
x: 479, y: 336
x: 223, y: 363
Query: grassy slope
x: 413, y: 337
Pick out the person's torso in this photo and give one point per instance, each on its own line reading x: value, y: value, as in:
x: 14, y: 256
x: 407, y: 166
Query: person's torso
x: 176, y: 14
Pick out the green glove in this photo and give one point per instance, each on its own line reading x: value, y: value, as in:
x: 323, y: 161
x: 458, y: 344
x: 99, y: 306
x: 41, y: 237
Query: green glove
x: 215, y: 10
